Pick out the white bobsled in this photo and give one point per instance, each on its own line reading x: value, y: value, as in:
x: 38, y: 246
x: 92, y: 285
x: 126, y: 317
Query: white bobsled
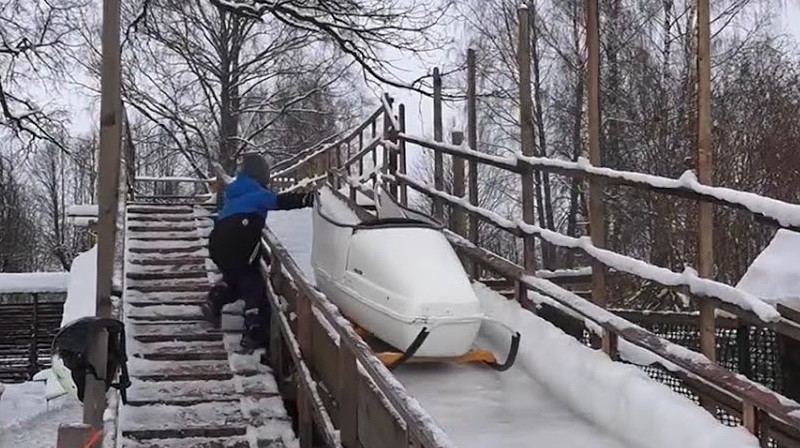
x: 396, y: 276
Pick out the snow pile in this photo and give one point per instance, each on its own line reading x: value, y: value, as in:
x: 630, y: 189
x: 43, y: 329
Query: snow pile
x: 82, y: 291
x: 28, y: 420
x: 774, y: 275
x: 33, y: 282
x: 618, y: 398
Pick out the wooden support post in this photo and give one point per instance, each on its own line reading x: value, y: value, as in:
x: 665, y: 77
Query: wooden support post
x: 305, y: 424
x: 74, y: 435
x: 94, y: 403
x: 360, y: 172
x: 526, y: 133
x: 33, y: 355
x: 338, y: 155
x: 705, y: 230
x: 438, y: 159
x: 596, y: 223
x: 472, y: 138
x: 374, y: 152
x: 457, y: 221
x: 348, y: 396
x: 401, y: 112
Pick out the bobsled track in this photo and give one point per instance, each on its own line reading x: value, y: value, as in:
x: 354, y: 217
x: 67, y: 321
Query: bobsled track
x: 476, y: 406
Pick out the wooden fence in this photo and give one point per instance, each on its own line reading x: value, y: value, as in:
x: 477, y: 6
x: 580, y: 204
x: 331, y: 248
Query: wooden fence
x: 28, y: 323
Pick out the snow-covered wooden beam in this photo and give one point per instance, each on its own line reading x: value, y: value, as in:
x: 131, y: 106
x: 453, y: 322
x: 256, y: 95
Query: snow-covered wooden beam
x: 34, y: 282
x: 768, y: 210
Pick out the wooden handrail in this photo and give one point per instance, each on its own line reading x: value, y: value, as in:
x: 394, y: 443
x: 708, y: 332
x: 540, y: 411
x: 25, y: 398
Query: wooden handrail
x: 787, y: 217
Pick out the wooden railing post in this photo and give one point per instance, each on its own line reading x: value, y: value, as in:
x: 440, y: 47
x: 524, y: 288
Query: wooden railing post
x: 596, y: 221
x: 33, y: 355
x: 526, y: 132
x: 348, y: 396
x: 438, y: 159
x: 472, y: 129
x: 401, y: 112
x: 705, y: 229
x: 457, y: 219
x: 374, y: 153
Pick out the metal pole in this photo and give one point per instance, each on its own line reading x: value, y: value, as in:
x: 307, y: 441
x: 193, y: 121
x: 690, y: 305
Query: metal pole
x: 705, y: 246
x: 526, y: 132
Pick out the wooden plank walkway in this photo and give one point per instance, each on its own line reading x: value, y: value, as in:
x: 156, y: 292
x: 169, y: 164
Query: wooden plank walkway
x: 188, y: 387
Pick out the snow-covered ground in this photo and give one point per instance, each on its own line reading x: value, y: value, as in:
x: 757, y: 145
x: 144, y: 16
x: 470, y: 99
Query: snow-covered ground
x: 28, y: 421
x: 559, y: 392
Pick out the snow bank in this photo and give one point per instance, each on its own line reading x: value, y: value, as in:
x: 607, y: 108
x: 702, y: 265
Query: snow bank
x: 22, y: 402
x: 619, y: 398
x: 774, y: 275
x: 33, y: 282
x: 82, y: 292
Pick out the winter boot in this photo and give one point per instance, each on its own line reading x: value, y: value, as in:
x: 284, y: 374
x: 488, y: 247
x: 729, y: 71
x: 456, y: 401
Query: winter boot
x: 215, y: 300
x: 253, y: 339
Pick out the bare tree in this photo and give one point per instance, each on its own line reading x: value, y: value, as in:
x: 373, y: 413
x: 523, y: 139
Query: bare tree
x: 360, y: 29
x: 35, y: 38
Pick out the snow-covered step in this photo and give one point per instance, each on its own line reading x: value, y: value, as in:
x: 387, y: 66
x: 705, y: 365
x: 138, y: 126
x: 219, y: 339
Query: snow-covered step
x: 156, y: 226
x: 173, y: 261
x: 163, y: 313
x: 180, y: 350
x: 143, y: 299
x: 146, y: 369
x: 172, y: 248
x: 167, y: 257
x: 189, y: 442
x: 138, y: 269
x: 162, y: 217
x: 159, y: 421
x: 180, y: 331
x: 160, y: 209
x: 177, y: 274
x: 181, y: 392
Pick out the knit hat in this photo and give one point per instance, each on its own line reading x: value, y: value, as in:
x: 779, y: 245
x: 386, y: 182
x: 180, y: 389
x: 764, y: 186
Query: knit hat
x: 255, y: 166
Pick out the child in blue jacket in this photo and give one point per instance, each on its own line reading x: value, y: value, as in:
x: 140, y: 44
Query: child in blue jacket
x: 234, y: 246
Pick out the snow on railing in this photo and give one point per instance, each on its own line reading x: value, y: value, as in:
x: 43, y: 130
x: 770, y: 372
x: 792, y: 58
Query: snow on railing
x: 783, y: 214
x: 306, y: 156
x: 622, y: 263
x: 34, y: 282
x: 174, y: 179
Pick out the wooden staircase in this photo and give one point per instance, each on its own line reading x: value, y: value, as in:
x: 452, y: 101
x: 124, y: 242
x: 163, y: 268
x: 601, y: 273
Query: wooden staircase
x: 188, y: 387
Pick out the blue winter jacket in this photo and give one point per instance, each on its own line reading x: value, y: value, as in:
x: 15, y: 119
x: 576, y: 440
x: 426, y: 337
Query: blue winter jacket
x: 246, y: 196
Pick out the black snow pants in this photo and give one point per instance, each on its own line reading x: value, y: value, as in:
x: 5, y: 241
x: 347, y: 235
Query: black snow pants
x: 234, y: 246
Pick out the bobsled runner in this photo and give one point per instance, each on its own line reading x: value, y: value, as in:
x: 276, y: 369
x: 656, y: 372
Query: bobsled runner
x: 396, y: 277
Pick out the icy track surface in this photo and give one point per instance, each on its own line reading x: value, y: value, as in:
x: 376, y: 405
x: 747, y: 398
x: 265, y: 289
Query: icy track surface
x: 475, y: 405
